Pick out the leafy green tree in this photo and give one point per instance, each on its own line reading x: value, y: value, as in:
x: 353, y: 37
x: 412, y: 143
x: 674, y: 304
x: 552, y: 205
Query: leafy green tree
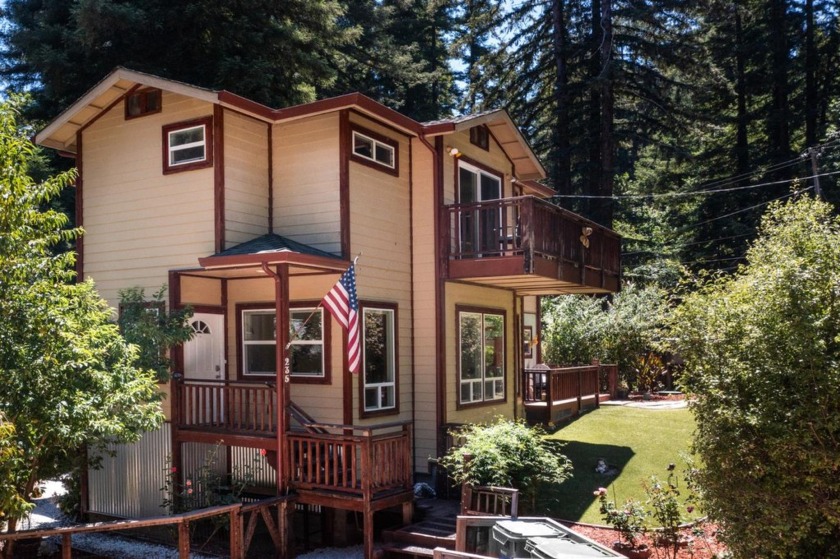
x: 579, y: 329
x: 509, y: 454
x: 762, y: 352
x: 277, y: 53
x: 69, y: 381
x: 147, y: 324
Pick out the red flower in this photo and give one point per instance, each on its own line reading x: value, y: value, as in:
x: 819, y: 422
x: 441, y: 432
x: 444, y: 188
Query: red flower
x: 173, y: 469
x: 263, y: 452
x: 189, y: 482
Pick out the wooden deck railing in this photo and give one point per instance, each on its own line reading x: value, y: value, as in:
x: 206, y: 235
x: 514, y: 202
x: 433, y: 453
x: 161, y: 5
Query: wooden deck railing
x: 531, y: 227
x: 355, y: 460
x: 227, y: 405
x: 557, y: 386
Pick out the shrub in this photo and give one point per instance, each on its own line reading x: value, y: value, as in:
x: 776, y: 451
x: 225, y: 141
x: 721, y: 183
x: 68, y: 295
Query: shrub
x: 762, y: 352
x: 506, y: 453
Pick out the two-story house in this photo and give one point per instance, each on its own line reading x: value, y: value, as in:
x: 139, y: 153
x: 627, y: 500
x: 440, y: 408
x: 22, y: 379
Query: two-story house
x: 251, y: 214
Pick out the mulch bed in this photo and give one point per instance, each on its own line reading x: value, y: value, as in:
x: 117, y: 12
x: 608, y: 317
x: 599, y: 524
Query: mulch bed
x: 703, y: 541
x: 656, y: 397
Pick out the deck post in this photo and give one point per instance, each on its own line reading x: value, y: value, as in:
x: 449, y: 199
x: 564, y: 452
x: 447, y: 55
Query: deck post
x: 184, y: 540
x: 579, y: 390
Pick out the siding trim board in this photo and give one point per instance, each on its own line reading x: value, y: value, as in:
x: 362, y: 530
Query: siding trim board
x: 219, y: 177
x: 80, y: 213
x: 440, y: 282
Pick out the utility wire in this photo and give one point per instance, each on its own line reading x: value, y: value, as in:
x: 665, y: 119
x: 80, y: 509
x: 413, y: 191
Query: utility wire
x: 692, y: 226
x: 696, y: 193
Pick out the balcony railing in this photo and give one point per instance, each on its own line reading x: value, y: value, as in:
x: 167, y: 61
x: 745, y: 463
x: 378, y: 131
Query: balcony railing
x: 361, y: 461
x: 531, y: 228
x: 227, y: 405
x: 566, y: 387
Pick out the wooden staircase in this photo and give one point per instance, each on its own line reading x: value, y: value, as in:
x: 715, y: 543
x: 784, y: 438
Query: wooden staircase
x: 435, y: 528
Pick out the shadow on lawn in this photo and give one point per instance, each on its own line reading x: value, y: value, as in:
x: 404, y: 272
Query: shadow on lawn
x: 570, y: 499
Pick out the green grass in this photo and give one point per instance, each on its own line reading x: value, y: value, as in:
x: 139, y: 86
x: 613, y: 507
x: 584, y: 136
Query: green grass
x: 639, y: 442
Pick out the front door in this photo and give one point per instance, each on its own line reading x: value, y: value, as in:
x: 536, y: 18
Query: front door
x: 204, y: 355
x: 204, y: 360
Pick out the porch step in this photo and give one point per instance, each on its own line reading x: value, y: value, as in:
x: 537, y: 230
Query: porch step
x: 427, y: 534
x: 401, y: 551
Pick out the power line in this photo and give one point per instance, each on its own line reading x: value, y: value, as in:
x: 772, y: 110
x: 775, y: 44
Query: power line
x: 695, y: 193
x: 690, y: 227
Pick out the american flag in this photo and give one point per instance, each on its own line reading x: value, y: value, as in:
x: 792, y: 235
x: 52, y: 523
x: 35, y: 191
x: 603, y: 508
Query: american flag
x: 342, y: 303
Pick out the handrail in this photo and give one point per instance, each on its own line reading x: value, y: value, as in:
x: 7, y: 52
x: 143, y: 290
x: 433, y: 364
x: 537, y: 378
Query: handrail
x: 562, y: 384
x: 238, y: 544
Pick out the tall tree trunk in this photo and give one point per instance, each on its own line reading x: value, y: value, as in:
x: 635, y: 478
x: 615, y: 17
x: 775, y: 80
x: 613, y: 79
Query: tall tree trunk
x: 742, y: 148
x: 561, y: 162
x: 594, y: 140
x: 604, y: 214
x: 778, y: 120
x: 811, y: 64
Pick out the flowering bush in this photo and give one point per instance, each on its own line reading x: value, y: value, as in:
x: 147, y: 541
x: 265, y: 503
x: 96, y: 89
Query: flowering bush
x: 629, y: 520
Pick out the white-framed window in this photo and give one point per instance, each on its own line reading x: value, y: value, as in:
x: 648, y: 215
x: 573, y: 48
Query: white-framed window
x: 187, y: 145
x: 379, y: 359
x: 374, y: 150
x: 481, y: 350
x: 477, y: 185
x: 307, y: 356
x: 259, y: 342
x: 306, y: 332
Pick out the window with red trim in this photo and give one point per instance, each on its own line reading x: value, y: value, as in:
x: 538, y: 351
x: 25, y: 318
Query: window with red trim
x: 188, y: 145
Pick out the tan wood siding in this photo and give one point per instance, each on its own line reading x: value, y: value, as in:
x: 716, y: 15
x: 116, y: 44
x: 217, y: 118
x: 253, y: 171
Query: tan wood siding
x: 246, y: 178
x: 485, y: 298
x: 323, y: 402
x: 306, y: 189
x: 138, y: 223
x: 494, y: 159
x: 425, y: 351
x: 201, y: 291
x: 381, y: 231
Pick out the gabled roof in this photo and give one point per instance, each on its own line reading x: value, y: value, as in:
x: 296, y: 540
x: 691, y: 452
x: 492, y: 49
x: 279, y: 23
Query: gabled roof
x: 273, y: 249
x: 528, y: 166
x: 60, y: 134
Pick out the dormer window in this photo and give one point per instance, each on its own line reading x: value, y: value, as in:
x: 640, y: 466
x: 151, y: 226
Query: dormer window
x: 188, y: 145
x: 480, y: 136
x: 142, y: 102
x: 374, y: 150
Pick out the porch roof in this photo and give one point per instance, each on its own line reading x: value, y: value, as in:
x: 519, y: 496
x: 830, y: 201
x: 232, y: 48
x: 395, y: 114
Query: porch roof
x: 269, y: 250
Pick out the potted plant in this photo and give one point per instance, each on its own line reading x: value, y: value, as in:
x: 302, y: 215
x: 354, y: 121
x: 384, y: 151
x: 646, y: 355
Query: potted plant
x: 630, y: 522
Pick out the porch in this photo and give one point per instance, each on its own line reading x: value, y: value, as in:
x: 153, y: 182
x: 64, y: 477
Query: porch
x: 552, y: 394
x: 361, y: 468
x: 531, y: 246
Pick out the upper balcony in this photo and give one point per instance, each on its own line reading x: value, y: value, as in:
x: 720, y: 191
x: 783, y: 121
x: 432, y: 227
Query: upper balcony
x: 530, y: 246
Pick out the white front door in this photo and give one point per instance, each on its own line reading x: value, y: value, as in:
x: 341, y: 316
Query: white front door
x: 204, y: 354
x: 204, y: 359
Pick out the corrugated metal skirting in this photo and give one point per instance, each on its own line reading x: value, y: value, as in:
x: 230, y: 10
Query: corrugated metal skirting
x: 130, y: 483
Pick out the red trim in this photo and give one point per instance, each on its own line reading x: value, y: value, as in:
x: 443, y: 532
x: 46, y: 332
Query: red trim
x: 439, y: 128
x: 394, y: 144
x: 346, y: 101
x: 483, y: 310
x: 326, y: 332
x: 218, y: 148
x: 144, y: 91
x: 208, y: 145
x: 412, y: 299
x: 377, y: 122
x: 256, y: 260
x: 344, y: 180
x: 270, y: 141
x: 80, y: 209
x: 396, y: 333
x: 538, y: 332
x: 503, y: 150
x: 440, y: 302
x: 481, y: 166
x: 245, y: 104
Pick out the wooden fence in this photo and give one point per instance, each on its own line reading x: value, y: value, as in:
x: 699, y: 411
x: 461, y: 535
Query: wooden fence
x: 548, y: 390
x: 240, y: 515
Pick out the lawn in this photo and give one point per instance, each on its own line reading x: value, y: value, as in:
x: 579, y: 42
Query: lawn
x: 639, y: 442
